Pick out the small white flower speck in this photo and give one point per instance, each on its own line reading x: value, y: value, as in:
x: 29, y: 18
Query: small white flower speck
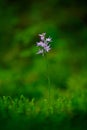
x: 48, y: 39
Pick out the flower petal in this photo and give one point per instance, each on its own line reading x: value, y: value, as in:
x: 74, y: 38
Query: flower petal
x: 48, y: 39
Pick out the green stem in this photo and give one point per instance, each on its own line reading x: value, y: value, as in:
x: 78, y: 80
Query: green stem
x: 48, y: 77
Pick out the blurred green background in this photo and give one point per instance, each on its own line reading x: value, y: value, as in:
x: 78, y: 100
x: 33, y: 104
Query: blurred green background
x: 24, y: 72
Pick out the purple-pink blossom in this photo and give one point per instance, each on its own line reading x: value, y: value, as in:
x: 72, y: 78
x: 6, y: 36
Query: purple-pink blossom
x: 47, y: 48
x: 48, y: 39
x: 43, y: 44
x: 42, y: 36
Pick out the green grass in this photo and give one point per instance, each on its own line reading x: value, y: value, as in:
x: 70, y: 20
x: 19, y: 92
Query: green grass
x: 64, y: 113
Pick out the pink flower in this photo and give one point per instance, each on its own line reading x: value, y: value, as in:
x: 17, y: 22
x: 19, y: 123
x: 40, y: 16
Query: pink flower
x: 42, y: 36
x: 48, y: 39
x: 47, y: 48
x: 43, y: 44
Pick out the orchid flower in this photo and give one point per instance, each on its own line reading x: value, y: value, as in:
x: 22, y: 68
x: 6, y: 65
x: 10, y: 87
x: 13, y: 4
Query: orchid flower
x: 43, y: 44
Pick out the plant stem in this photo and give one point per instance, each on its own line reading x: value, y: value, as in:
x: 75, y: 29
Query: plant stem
x: 48, y: 77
